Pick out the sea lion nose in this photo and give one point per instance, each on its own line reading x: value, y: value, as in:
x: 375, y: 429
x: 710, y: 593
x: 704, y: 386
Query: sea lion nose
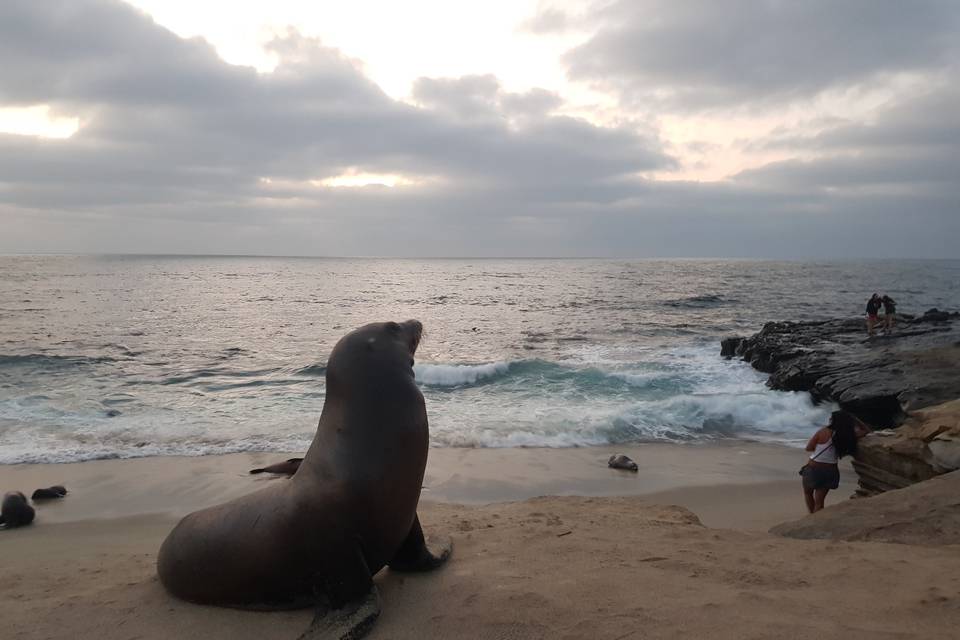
x: 415, y: 330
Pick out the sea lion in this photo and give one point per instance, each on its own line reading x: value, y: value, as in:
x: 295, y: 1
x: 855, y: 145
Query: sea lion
x: 620, y: 461
x: 56, y: 491
x: 15, y: 512
x: 288, y: 467
x: 350, y: 509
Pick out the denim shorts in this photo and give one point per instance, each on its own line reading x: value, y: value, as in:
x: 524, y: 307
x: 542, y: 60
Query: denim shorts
x: 817, y: 477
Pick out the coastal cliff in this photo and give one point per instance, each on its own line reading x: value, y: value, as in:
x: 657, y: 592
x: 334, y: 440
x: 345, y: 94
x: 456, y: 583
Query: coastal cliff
x: 905, y: 384
x: 927, y: 444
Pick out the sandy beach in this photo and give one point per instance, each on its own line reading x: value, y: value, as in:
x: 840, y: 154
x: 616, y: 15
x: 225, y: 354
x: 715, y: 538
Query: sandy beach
x: 548, y: 544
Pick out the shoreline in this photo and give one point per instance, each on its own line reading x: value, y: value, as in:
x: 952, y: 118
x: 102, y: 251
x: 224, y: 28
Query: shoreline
x: 734, y: 484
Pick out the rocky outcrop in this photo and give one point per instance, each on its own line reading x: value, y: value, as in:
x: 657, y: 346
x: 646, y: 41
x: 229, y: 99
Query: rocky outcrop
x: 884, y: 380
x: 927, y: 444
x: 878, y: 379
x: 926, y: 513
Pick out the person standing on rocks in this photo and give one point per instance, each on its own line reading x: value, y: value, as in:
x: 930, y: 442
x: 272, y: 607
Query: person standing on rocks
x: 889, y: 313
x: 873, y: 308
x: 821, y: 473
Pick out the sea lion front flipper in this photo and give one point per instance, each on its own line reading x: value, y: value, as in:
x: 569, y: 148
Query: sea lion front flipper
x: 414, y: 555
x: 350, y: 622
x: 348, y: 605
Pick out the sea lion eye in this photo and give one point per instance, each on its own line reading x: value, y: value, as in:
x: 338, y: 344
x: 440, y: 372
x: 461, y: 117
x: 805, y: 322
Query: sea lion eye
x: 393, y: 327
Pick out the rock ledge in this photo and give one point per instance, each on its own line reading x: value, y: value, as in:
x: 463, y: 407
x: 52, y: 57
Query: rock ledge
x: 883, y: 380
x: 926, y: 513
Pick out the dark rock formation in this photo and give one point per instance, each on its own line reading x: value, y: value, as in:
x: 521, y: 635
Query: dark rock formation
x: 877, y: 378
x: 926, y: 513
x: 880, y: 380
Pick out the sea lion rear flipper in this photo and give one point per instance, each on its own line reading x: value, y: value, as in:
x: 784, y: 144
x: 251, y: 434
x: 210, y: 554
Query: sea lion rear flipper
x: 414, y: 555
x: 348, y: 605
x: 288, y: 467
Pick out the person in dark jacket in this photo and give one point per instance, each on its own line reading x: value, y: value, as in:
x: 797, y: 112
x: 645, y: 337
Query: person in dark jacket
x: 889, y: 313
x: 873, y: 308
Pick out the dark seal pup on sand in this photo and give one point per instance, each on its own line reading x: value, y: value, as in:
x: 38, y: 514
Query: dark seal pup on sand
x: 620, y: 461
x: 15, y: 512
x: 350, y: 509
x: 288, y: 467
x: 50, y: 493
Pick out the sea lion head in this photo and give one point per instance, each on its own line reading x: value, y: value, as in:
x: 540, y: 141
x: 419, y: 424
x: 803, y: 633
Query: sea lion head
x: 374, y: 358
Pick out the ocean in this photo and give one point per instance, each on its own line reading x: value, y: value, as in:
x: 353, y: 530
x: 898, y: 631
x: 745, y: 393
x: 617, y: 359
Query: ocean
x: 130, y: 356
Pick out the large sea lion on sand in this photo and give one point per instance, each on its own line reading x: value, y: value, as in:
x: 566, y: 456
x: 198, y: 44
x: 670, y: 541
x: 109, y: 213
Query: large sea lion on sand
x: 349, y: 510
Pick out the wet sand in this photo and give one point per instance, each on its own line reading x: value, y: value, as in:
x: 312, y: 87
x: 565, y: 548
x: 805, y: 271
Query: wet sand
x: 732, y: 484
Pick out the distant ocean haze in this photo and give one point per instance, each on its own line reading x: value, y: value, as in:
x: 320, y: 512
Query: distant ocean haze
x: 126, y: 356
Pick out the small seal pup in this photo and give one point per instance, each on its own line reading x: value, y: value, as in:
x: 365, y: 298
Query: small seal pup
x: 350, y: 509
x: 287, y: 467
x: 15, y: 512
x: 620, y: 461
x: 50, y: 493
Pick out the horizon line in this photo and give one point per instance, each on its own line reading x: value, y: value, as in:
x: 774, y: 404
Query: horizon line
x: 468, y: 257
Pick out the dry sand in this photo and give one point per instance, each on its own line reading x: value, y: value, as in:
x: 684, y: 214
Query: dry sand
x: 595, y: 567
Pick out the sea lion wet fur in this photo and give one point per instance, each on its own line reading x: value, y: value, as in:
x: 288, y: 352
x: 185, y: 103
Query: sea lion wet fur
x: 620, y: 461
x: 49, y: 493
x: 348, y: 511
x: 15, y: 511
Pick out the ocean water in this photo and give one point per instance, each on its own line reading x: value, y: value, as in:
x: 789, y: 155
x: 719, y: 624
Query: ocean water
x: 126, y: 356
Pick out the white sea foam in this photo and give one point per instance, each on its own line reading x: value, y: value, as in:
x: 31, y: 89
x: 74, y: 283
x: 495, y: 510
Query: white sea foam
x: 684, y: 394
x: 455, y: 375
x: 45, y: 451
x: 789, y: 414
x: 565, y: 422
x: 638, y: 379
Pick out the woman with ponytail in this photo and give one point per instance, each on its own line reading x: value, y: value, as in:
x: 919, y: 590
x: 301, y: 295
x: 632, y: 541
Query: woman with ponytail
x: 821, y: 473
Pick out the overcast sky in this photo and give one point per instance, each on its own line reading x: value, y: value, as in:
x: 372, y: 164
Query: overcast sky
x: 633, y: 128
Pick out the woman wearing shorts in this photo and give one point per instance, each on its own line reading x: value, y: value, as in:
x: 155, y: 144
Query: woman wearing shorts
x: 827, y: 446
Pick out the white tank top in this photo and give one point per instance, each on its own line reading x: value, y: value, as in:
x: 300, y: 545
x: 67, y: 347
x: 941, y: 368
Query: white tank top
x: 825, y: 453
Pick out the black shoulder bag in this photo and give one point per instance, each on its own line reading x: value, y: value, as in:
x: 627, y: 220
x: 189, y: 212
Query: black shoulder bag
x: 804, y: 467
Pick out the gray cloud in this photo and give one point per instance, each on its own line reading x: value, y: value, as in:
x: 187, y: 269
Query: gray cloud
x: 174, y: 144
x: 161, y: 113
x: 910, y: 148
x: 930, y: 118
x: 705, y: 54
x: 548, y: 19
